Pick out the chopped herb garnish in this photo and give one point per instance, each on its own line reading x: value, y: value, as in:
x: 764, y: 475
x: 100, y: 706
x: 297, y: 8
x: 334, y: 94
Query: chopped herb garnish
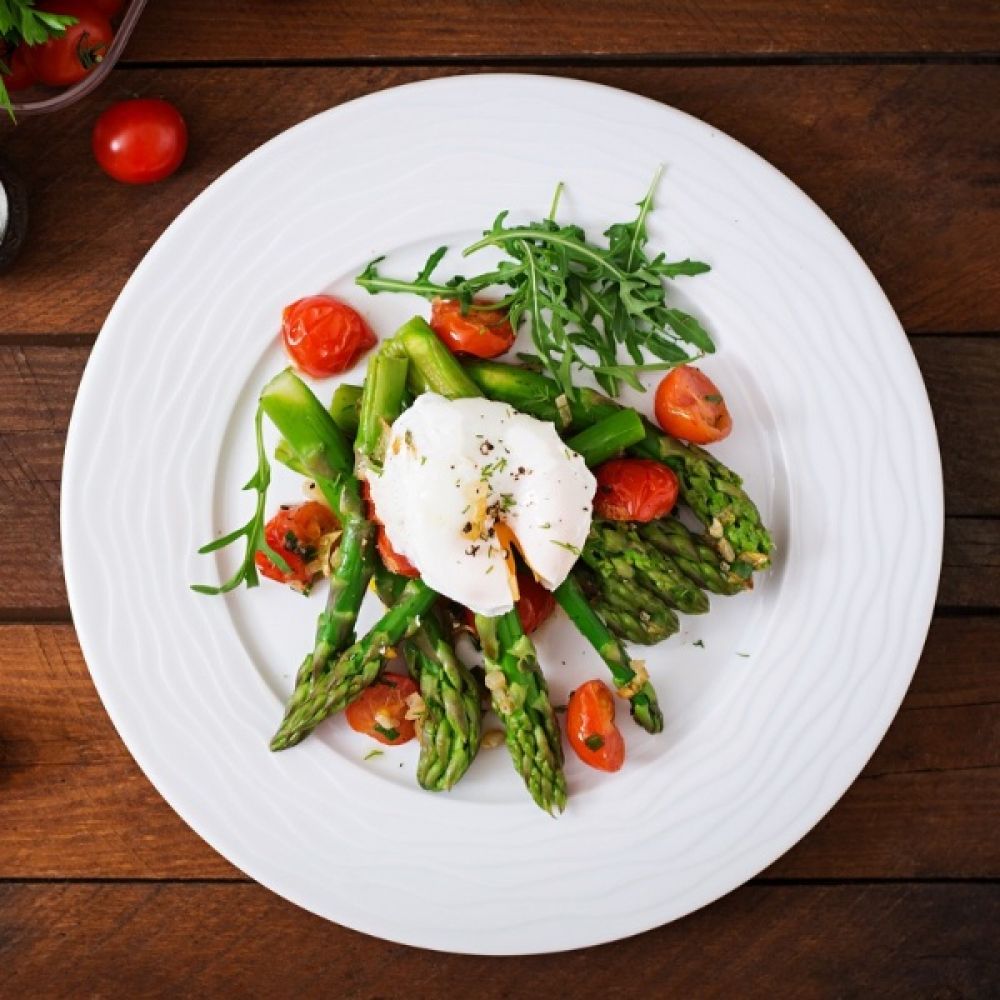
x: 545, y: 526
x: 490, y: 570
x: 594, y: 742
x: 744, y: 655
x: 390, y: 733
x: 699, y: 642
x: 566, y: 545
x: 374, y: 753
x: 712, y: 397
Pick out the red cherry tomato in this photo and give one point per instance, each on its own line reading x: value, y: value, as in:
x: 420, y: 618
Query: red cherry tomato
x: 139, y: 141
x: 324, y: 336
x: 380, y: 711
x: 295, y: 533
x: 533, y: 606
x: 689, y: 406
x: 69, y: 57
x: 482, y: 333
x: 19, y: 76
x: 393, y: 560
x: 634, y: 489
x: 590, y: 726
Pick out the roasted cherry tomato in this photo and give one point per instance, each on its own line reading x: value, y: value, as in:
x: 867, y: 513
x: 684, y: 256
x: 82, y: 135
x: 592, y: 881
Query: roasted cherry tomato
x: 140, y: 141
x: 481, y: 333
x: 393, y: 560
x: 324, y: 336
x: 590, y: 726
x: 690, y: 407
x: 380, y: 711
x: 69, y: 57
x: 295, y: 533
x: 19, y: 75
x: 634, y: 489
x: 533, y: 606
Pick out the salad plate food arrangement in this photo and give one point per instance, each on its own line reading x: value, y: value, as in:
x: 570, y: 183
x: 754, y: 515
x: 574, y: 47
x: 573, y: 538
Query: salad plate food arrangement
x: 459, y: 522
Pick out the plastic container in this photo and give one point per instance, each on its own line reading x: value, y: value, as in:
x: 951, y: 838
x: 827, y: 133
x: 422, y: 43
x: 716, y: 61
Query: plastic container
x: 39, y: 100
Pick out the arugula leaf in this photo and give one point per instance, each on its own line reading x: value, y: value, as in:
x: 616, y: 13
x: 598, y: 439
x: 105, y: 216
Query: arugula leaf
x: 582, y: 302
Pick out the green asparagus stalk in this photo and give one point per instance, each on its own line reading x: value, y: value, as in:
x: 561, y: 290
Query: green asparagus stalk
x: 712, y: 490
x: 620, y: 599
x: 451, y: 726
x: 345, y: 408
x: 346, y: 677
x: 608, y: 437
x: 521, y: 700
x: 697, y: 560
x: 631, y: 683
x: 614, y: 549
x: 320, y: 449
x: 381, y: 402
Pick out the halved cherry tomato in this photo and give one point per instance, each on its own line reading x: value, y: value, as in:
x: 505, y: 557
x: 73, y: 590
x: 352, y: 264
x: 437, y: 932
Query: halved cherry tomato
x: 590, y: 726
x: 380, y: 711
x: 324, y: 336
x: 689, y: 406
x: 394, y: 561
x: 19, y: 76
x: 140, y: 141
x: 295, y: 533
x: 481, y: 333
x: 533, y: 606
x: 69, y: 57
x: 634, y: 489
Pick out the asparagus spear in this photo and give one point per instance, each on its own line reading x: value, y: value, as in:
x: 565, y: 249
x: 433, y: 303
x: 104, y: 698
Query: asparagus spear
x: 345, y: 408
x: 712, y: 490
x: 324, y: 455
x: 450, y: 729
x: 631, y: 683
x: 630, y: 611
x: 345, y: 678
x: 697, y: 560
x: 610, y: 436
x: 614, y: 549
x: 520, y: 699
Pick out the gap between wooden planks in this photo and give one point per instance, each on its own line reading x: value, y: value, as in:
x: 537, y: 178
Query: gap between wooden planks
x: 903, y: 158
x: 38, y: 385
x: 190, y: 30
x: 73, y: 804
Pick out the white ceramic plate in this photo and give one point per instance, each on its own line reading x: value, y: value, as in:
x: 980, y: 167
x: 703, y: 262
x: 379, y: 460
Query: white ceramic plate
x: 767, y: 723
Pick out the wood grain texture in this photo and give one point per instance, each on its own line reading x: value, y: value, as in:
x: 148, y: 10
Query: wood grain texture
x: 396, y: 29
x: 73, y: 804
x: 903, y: 158
x: 894, y: 942
x: 38, y: 386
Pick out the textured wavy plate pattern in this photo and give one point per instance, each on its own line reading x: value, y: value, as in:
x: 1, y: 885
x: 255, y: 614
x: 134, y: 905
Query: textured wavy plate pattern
x: 758, y: 747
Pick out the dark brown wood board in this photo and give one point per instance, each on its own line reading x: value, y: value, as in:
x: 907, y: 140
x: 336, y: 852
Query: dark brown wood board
x: 886, y: 113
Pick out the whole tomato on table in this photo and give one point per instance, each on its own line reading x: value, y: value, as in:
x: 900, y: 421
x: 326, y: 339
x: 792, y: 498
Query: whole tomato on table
x: 140, y: 141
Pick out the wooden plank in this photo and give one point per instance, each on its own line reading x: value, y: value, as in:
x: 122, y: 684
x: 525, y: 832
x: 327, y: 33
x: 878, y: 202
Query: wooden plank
x: 889, y: 941
x: 74, y: 805
x: 393, y: 29
x: 901, y: 157
x: 38, y: 385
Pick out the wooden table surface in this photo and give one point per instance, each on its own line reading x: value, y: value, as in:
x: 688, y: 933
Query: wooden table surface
x: 888, y: 115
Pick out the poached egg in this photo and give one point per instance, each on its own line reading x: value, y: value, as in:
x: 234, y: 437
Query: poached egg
x: 466, y: 480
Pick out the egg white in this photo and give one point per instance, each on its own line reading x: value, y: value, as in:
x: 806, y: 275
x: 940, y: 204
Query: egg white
x: 465, y: 478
